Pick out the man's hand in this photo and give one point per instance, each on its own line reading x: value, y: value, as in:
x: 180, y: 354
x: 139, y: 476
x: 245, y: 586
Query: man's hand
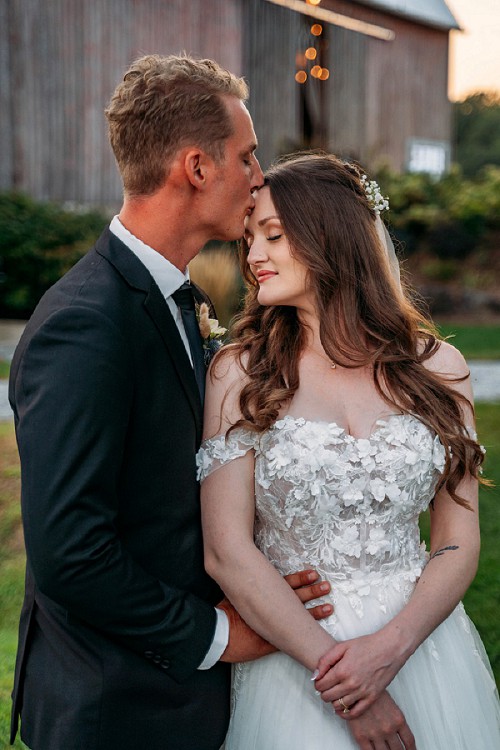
x: 383, y: 725
x: 244, y: 643
x: 307, y: 587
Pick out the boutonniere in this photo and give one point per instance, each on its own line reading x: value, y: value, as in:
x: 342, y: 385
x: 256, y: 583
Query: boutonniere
x: 211, y: 332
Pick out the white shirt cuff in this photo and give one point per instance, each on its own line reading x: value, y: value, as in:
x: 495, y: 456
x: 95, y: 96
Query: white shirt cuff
x: 220, y: 641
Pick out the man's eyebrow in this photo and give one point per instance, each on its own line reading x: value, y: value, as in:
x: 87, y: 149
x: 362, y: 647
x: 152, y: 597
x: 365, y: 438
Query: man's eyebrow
x: 251, y: 148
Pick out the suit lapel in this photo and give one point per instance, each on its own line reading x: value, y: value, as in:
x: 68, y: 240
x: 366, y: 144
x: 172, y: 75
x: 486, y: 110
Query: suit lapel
x: 138, y: 277
x: 158, y: 310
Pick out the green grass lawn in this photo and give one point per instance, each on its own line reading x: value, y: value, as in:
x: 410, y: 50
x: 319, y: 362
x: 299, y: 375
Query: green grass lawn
x: 11, y: 572
x: 475, y: 342
x: 482, y: 599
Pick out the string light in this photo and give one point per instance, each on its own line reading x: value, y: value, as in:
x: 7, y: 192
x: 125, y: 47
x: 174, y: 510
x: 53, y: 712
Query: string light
x: 311, y: 53
x: 324, y: 75
x: 301, y: 76
x: 313, y: 2
x: 316, y: 29
x: 316, y: 71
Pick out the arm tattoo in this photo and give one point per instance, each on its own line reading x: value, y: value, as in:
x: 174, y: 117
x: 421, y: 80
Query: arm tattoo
x: 443, y: 550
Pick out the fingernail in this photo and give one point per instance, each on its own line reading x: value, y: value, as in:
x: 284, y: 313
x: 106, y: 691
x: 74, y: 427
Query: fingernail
x: 315, y: 675
x: 326, y: 609
x: 324, y: 586
x: 312, y: 575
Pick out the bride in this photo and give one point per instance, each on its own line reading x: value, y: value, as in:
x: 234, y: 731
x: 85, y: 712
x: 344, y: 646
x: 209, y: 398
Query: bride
x: 334, y: 419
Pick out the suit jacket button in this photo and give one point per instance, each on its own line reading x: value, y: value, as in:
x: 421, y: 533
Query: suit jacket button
x: 148, y: 654
x: 165, y: 664
x: 157, y: 658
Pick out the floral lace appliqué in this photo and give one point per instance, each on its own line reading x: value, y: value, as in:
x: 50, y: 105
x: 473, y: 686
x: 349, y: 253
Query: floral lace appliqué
x: 347, y: 507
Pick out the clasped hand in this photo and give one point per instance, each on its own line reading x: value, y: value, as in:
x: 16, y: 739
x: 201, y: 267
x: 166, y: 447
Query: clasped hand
x: 357, y: 671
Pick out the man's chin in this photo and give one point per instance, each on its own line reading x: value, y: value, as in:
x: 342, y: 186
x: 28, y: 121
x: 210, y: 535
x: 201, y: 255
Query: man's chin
x: 232, y: 235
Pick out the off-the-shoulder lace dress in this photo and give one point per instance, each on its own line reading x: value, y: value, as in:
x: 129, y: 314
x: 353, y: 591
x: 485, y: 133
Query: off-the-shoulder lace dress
x: 349, y: 508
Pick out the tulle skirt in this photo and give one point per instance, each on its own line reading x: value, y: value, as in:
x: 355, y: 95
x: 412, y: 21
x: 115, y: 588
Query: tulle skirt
x: 446, y: 691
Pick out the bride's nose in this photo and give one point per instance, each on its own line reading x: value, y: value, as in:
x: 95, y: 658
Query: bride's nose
x: 256, y: 253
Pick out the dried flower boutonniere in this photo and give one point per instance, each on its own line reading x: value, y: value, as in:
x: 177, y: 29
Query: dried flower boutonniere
x: 211, y: 332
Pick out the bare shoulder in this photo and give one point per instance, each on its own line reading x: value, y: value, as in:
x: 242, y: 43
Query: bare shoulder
x: 448, y: 361
x: 227, y: 363
x: 450, y: 364
x: 226, y: 377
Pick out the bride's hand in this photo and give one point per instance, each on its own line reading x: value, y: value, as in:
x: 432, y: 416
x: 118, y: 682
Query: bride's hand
x: 383, y: 725
x: 354, y: 673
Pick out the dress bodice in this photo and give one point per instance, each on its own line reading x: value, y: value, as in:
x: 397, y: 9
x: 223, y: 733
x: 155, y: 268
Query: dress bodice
x: 346, y: 506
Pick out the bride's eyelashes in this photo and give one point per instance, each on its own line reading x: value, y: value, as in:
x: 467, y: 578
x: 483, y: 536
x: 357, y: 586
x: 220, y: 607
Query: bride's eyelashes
x: 274, y: 237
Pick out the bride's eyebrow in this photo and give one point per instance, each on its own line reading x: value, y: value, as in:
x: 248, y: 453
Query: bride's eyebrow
x: 268, y: 218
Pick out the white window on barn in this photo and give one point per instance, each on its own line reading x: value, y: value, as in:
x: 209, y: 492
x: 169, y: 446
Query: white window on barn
x: 425, y: 155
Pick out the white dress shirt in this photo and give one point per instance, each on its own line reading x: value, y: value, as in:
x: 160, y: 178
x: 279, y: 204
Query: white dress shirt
x: 169, y: 279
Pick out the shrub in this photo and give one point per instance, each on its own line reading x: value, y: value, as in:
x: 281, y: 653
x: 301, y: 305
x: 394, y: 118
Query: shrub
x: 450, y: 217
x: 39, y: 242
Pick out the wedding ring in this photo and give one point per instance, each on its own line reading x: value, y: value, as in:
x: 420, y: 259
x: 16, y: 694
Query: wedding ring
x: 346, y: 708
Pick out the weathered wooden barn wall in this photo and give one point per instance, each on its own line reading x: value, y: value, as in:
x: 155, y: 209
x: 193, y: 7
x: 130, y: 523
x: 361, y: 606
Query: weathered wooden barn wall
x: 60, y: 63
x: 61, y: 59
x: 402, y: 93
x: 379, y: 94
x: 5, y: 101
x: 271, y: 39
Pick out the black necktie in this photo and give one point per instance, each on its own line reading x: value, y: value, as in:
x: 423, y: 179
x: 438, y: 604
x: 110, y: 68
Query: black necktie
x: 184, y: 300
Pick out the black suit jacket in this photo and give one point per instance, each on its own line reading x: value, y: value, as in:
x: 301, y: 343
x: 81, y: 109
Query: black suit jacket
x: 118, y: 612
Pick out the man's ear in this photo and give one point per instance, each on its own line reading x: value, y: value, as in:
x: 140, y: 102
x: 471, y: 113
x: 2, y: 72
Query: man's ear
x: 198, y: 166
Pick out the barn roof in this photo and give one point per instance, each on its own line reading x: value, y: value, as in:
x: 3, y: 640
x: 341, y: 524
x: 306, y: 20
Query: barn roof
x: 428, y: 12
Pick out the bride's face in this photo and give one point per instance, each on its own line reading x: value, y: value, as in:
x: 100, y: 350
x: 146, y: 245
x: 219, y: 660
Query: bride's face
x: 282, y: 278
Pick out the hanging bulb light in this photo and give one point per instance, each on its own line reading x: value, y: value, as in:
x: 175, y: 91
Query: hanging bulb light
x: 311, y: 53
x: 301, y: 76
x: 316, y: 29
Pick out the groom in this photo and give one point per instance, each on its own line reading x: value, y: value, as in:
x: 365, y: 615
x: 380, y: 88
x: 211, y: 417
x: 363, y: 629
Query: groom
x: 121, y: 644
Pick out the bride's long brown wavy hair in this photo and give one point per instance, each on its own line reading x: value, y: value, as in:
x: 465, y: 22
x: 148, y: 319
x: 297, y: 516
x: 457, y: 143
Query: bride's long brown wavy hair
x: 365, y: 318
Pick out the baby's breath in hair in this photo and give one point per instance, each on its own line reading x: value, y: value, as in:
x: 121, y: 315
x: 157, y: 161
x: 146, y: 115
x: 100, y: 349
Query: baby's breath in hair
x: 375, y: 197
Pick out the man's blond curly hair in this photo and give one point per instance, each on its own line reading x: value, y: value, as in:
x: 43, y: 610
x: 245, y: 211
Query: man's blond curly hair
x: 162, y: 105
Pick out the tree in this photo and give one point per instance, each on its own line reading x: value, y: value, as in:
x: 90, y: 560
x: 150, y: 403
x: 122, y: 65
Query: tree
x: 477, y: 132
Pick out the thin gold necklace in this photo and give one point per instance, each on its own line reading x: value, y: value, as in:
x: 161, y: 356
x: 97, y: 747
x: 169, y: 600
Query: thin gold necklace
x: 332, y: 364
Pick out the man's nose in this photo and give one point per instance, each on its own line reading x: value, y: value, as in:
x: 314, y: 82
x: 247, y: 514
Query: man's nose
x: 257, y: 175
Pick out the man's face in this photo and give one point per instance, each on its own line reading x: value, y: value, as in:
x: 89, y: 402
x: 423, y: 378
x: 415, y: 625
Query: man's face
x: 236, y: 177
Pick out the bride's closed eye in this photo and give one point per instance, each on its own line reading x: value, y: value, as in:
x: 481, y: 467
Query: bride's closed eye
x: 274, y: 237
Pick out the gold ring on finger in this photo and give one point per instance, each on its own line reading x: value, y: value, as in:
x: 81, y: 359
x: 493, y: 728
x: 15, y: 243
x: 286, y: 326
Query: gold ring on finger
x: 346, y: 708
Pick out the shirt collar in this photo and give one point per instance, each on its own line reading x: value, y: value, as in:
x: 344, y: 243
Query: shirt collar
x: 167, y: 276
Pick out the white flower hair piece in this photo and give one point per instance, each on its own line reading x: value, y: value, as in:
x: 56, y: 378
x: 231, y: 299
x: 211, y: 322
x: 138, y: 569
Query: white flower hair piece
x: 375, y: 197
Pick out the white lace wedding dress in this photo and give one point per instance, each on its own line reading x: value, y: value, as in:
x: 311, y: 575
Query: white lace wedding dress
x: 349, y: 508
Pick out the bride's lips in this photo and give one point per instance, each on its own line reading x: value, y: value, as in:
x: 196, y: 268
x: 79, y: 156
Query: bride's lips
x: 264, y: 275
